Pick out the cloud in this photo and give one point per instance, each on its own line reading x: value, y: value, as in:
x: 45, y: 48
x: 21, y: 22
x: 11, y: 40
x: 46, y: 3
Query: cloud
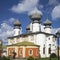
x: 34, y: 11
x: 53, y: 2
x: 56, y: 12
x: 24, y: 6
x: 10, y: 20
x: 41, y: 6
x: 55, y: 30
x: 6, y: 30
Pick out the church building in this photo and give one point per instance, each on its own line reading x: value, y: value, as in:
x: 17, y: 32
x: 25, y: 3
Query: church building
x: 35, y: 42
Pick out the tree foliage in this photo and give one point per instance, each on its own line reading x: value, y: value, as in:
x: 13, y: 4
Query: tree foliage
x: 53, y: 55
x: 4, y: 58
x: 30, y: 58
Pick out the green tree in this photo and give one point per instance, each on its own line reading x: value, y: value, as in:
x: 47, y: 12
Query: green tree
x: 30, y: 58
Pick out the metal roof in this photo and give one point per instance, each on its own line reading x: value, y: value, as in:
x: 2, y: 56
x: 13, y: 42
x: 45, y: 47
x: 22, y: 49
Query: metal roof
x: 47, y: 22
x: 17, y: 22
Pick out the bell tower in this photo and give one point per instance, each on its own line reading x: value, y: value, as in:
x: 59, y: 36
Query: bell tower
x: 17, y: 28
x: 47, y: 24
x: 35, y: 16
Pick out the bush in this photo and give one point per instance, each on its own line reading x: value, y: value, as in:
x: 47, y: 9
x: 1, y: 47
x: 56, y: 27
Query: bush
x: 4, y: 58
x: 53, y: 55
x: 30, y: 58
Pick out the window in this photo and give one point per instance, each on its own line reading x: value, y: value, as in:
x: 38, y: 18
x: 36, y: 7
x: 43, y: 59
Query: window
x: 10, y: 51
x: 20, y: 52
x: 49, y: 38
x: 44, y: 49
x: 30, y: 52
x: 49, y: 49
x: 49, y: 45
x: 53, y: 44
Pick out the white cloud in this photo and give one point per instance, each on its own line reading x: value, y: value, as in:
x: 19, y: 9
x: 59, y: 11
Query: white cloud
x: 25, y: 6
x: 6, y: 30
x: 34, y: 11
x: 56, y: 12
x: 11, y: 20
x: 40, y: 6
x: 55, y: 30
x: 53, y: 2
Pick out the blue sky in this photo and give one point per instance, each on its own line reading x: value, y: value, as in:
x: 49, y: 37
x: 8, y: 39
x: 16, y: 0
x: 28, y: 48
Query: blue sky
x: 11, y: 10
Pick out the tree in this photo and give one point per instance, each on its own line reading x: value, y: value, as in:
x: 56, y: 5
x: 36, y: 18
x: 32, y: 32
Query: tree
x: 30, y: 58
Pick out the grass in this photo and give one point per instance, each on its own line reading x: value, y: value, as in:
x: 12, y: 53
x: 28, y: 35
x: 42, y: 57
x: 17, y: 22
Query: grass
x: 47, y: 59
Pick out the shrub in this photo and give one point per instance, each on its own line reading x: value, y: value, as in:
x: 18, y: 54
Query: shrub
x: 4, y: 58
x: 53, y: 55
x: 30, y: 58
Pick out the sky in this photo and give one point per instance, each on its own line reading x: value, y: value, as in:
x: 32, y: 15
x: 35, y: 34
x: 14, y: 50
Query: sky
x: 12, y: 10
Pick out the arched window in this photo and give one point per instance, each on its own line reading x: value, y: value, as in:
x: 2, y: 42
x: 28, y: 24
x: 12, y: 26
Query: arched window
x: 49, y: 50
x: 21, y: 52
x: 44, y: 49
x: 31, y: 52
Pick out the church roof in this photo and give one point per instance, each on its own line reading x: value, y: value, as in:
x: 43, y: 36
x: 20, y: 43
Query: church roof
x: 24, y: 43
x: 31, y: 33
x: 17, y: 22
x: 35, y: 11
x: 47, y: 22
x: 35, y: 14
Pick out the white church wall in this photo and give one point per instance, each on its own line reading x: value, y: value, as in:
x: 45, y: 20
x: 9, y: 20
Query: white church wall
x: 40, y: 40
x: 47, y: 30
x: 16, y: 32
x: 31, y: 38
x: 21, y: 39
x: 36, y: 27
x: 50, y: 43
x: 31, y: 26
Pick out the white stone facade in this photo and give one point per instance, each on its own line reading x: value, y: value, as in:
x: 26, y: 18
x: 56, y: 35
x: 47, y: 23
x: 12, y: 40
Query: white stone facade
x: 41, y: 39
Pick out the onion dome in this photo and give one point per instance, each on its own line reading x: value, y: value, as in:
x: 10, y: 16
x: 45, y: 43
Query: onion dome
x: 28, y: 27
x: 47, y: 22
x: 35, y: 14
x: 17, y: 23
